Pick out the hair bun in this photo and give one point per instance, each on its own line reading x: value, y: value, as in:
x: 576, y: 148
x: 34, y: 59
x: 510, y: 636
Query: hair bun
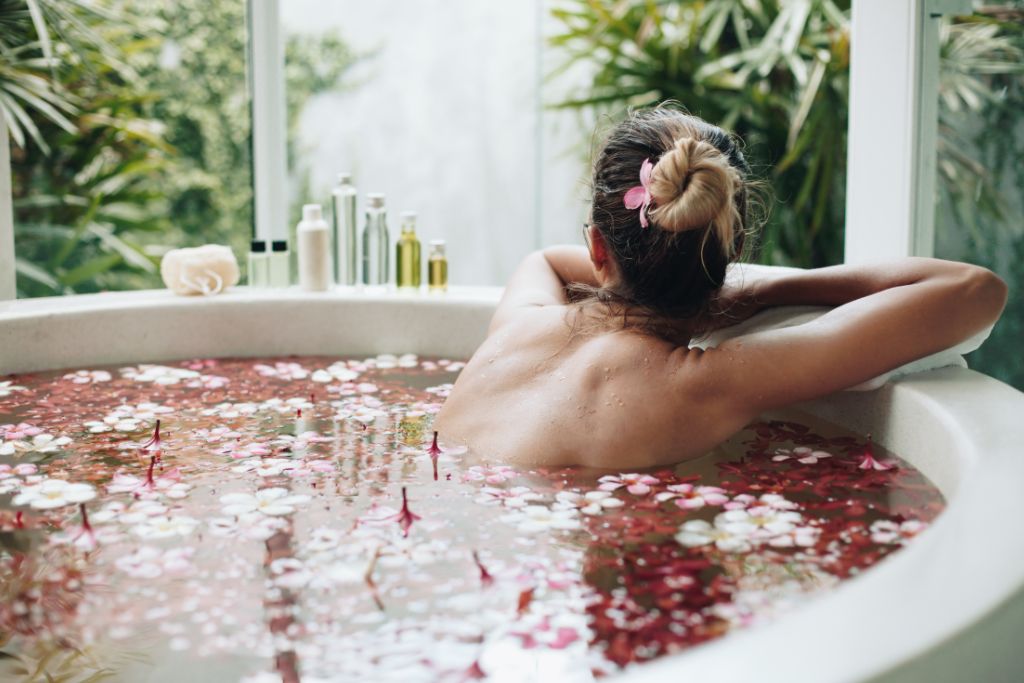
x: 693, y: 187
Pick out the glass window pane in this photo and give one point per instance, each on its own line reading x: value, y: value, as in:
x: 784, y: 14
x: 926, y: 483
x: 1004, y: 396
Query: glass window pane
x: 980, y: 216
x: 150, y: 149
x: 437, y: 105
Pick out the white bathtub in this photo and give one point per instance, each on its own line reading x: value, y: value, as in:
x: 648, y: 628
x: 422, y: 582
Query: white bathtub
x: 948, y: 608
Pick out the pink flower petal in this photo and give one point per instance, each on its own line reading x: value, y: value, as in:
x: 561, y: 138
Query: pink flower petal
x: 635, y: 197
x: 646, y: 169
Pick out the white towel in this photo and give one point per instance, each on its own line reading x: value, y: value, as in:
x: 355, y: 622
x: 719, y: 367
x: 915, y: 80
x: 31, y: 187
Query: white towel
x: 788, y: 316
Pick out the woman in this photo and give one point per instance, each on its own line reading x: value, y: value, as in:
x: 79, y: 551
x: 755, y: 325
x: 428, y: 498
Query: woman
x: 587, y: 360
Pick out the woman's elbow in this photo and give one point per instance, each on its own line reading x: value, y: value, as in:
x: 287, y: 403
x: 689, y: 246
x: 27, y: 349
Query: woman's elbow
x: 986, y: 290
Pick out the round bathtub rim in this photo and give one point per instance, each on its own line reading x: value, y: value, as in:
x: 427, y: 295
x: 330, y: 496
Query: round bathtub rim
x: 981, y: 469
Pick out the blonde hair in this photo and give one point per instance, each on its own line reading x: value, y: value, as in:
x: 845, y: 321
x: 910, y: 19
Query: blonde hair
x: 694, y: 188
x: 671, y: 270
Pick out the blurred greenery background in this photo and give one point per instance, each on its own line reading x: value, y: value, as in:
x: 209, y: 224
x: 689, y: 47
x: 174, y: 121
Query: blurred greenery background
x: 130, y: 129
x: 129, y: 124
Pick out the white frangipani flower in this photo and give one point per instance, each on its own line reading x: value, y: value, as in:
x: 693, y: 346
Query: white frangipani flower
x: 589, y: 503
x: 165, y: 527
x: 158, y: 374
x: 129, y: 418
x: 698, y: 532
x: 271, y: 501
x: 8, y: 387
x: 54, y: 493
x: 88, y: 376
x: 538, y: 518
x: 40, y: 443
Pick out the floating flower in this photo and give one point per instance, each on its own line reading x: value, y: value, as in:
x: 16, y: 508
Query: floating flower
x: 287, y: 406
x: 637, y: 484
x: 336, y: 372
x: 231, y: 410
x: 887, y: 531
x: 801, y: 454
x: 868, y: 462
x: 158, y: 374
x: 286, y: 371
x: 8, y: 387
x: 88, y: 376
x: 801, y: 536
x: 129, y: 418
x: 269, y: 467
x: 698, y: 532
x: 215, y: 435
x: 40, y: 443
x: 83, y: 537
x: 491, y: 474
x: 148, y: 562
x: 405, y: 516
x: 165, y: 527
x: 486, y: 579
x: 690, y: 497
x: 22, y: 430
x: 589, y: 503
x: 515, y: 497
x: 168, y: 484
x: 537, y: 518
x: 208, y: 382
x: 761, y: 523
x: 771, y: 500
x: 54, y: 493
x: 441, y: 390
x: 271, y: 501
x: 249, y: 450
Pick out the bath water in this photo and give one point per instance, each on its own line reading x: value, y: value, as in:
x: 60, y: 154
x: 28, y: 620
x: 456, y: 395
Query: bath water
x: 291, y: 519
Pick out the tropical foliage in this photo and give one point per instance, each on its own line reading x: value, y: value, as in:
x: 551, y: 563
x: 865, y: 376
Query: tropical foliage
x: 137, y: 137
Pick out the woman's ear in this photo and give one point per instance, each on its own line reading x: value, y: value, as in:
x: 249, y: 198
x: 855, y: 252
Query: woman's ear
x: 598, y: 248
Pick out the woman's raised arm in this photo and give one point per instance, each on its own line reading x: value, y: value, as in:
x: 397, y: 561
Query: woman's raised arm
x: 541, y: 278
x: 886, y: 315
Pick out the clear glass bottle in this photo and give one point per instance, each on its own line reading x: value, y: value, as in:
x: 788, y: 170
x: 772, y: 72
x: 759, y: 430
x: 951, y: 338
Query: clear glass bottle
x: 408, y: 263
x: 344, y: 230
x: 376, y: 243
x: 437, y: 267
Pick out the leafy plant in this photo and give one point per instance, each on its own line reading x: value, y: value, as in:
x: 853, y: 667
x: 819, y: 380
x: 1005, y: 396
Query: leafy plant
x: 774, y: 72
x: 153, y: 151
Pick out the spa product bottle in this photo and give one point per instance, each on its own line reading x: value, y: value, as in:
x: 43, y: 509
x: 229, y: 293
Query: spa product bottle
x: 376, y: 244
x: 408, y: 264
x: 314, y: 242
x: 280, y: 264
x: 345, y: 231
x: 259, y: 264
x: 437, y: 267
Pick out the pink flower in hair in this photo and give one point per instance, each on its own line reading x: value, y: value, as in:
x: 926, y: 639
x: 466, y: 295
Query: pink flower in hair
x: 639, y: 197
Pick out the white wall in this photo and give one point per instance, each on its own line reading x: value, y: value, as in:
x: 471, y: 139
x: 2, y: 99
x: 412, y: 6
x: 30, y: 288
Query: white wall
x: 447, y: 119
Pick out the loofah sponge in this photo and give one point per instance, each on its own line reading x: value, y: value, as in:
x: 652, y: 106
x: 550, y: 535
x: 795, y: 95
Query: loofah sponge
x: 206, y: 270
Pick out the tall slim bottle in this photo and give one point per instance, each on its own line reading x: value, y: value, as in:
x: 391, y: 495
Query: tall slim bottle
x: 376, y: 243
x: 345, y: 231
x: 408, y: 263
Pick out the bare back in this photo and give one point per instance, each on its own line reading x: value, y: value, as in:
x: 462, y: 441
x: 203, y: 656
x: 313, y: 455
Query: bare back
x: 536, y: 393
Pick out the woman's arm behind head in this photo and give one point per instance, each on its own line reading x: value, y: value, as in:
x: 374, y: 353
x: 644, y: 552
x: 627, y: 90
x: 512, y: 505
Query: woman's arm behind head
x: 886, y: 315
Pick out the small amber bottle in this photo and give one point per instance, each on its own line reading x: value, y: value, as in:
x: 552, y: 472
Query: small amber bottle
x: 409, y: 265
x: 437, y: 266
